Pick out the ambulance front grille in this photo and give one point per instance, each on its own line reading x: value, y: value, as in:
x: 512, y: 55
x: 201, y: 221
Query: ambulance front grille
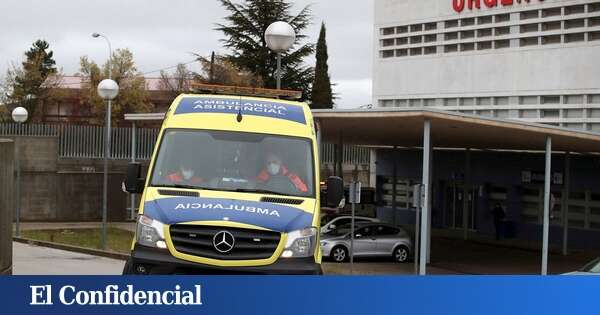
x: 197, y: 240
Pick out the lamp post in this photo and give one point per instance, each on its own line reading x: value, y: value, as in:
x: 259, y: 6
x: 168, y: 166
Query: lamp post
x: 107, y: 90
x: 280, y: 36
x: 19, y: 115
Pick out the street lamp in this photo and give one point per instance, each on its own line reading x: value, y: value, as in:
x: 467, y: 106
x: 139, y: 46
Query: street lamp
x: 19, y: 115
x: 107, y: 90
x: 280, y: 36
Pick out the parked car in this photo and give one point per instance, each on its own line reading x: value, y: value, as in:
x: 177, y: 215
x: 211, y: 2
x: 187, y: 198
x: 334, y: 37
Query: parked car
x: 370, y: 239
x: 591, y: 269
x: 332, y: 224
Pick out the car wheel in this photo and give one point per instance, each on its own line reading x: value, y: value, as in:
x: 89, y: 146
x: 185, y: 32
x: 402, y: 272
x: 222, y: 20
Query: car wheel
x: 339, y: 254
x: 401, y: 254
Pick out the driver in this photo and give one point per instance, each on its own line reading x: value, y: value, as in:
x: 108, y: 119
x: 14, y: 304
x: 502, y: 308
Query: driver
x: 185, y: 175
x: 275, y: 167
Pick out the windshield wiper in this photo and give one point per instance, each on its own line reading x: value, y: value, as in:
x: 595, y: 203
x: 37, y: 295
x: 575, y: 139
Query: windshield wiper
x: 260, y: 191
x: 178, y: 186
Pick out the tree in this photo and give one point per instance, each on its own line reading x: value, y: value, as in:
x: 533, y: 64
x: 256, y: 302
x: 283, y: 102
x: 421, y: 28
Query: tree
x: 34, y: 82
x: 133, y: 96
x: 225, y: 72
x: 177, y: 83
x: 322, y: 96
x: 244, y: 37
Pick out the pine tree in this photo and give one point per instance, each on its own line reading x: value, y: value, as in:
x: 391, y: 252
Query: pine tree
x: 34, y: 81
x: 322, y: 96
x: 244, y: 37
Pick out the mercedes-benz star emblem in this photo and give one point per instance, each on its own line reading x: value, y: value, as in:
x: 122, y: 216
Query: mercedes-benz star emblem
x: 223, y: 242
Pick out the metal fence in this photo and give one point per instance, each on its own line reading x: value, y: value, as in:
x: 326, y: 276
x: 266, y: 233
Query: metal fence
x: 87, y: 142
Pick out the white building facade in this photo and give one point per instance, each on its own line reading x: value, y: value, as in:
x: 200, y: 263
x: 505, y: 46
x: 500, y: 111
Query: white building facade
x: 534, y: 60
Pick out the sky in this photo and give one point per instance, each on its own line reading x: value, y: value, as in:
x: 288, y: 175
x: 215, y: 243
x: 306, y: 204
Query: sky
x: 164, y: 33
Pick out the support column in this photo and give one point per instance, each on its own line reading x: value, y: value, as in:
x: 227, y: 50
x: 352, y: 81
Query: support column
x: 426, y: 184
x: 394, y: 183
x: 547, y: 180
x: 133, y: 154
x: 466, y: 187
x: 565, y: 204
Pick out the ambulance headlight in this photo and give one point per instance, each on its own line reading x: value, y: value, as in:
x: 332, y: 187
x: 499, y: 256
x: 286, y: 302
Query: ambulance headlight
x: 300, y: 243
x: 150, y: 233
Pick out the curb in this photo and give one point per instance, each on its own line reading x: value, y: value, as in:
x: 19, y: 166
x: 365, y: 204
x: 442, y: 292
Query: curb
x: 70, y: 248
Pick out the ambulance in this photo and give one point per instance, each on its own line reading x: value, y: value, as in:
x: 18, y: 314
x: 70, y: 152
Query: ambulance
x: 233, y: 187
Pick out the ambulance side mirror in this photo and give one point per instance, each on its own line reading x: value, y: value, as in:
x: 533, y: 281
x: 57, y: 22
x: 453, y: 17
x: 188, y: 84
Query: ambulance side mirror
x: 335, y: 191
x: 133, y: 183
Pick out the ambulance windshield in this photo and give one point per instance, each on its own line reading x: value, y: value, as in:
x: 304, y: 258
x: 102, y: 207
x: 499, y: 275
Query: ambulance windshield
x: 234, y: 161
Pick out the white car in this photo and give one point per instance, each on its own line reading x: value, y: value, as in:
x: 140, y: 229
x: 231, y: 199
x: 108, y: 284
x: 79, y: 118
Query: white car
x: 591, y: 269
x: 344, y: 220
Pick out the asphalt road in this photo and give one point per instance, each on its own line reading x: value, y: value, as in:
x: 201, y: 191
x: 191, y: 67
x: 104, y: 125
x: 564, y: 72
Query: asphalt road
x: 35, y: 260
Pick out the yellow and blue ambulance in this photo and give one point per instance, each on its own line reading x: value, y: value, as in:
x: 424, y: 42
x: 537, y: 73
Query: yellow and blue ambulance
x: 232, y: 188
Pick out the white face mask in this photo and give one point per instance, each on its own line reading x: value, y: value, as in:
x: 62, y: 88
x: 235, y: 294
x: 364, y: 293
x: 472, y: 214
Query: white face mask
x: 274, y: 168
x: 187, y: 174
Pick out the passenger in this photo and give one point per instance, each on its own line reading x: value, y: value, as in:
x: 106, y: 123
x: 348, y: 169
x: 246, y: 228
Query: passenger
x: 274, y: 167
x: 184, y: 176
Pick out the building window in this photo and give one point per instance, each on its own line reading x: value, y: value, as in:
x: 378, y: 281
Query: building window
x: 502, y: 100
x: 388, y: 42
x: 594, y: 113
x: 416, y: 28
x: 529, y: 41
x: 451, y: 48
x: 552, y: 12
x: 499, y: 31
x: 574, y: 113
x: 487, y: 113
x: 573, y: 99
x: 451, y: 24
x: 528, y: 28
x: 467, y: 47
x: 574, y: 23
x: 595, y: 21
x: 401, y: 52
x: 534, y: 14
x: 502, y: 113
x: 484, y: 101
x: 528, y: 100
x: 416, y: 39
x: 388, y: 31
x: 431, y: 38
x: 502, y: 18
x: 574, y: 38
x: 594, y: 99
x: 450, y: 102
x: 467, y: 34
x: 429, y: 102
x: 401, y: 41
x: 549, y: 40
x: 416, y: 51
x: 484, y: 32
x: 400, y: 103
x: 499, y: 44
x: 414, y: 102
x: 401, y: 29
x: 430, y: 26
x: 430, y: 50
x: 484, y: 45
x: 551, y: 26
x: 594, y: 7
x: 551, y: 113
x: 485, y: 19
x: 451, y: 36
x: 467, y: 22
x: 387, y: 54
x: 468, y: 101
x: 551, y: 99
x: 575, y: 9
x: 529, y: 113
x: 387, y: 103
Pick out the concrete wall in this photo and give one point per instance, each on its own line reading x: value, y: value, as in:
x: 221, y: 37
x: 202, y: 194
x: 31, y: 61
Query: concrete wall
x: 6, y: 204
x: 54, y: 189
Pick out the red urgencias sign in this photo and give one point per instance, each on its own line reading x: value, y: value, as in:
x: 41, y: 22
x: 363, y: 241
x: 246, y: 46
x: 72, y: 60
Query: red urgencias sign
x: 459, y: 5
